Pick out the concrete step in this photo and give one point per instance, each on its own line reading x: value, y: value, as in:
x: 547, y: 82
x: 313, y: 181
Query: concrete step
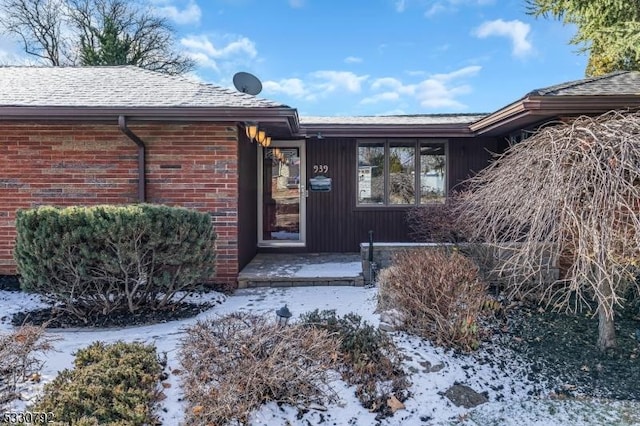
x: 307, y: 269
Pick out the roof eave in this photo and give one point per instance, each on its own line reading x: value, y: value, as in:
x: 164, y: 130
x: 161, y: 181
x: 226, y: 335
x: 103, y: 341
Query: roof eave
x: 78, y: 113
x: 534, y: 108
x: 384, y: 130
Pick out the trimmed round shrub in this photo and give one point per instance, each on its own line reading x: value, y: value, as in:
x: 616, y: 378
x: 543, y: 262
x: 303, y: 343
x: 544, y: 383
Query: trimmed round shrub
x: 439, y: 295
x: 103, y: 259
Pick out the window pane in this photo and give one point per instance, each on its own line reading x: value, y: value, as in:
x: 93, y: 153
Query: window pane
x: 433, y: 169
x: 402, y: 176
x: 371, y: 173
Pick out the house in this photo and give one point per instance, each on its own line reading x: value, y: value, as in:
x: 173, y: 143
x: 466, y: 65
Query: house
x: 81, y: 136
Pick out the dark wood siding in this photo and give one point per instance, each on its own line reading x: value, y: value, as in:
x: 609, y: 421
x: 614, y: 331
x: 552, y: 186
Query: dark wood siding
x: 335, y: 224
x: 247, y: 201
x: 467, y: 157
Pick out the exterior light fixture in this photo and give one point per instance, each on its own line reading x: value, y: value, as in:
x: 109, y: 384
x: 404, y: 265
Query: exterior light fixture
x: 283, y: 315
x: 261, y: 137
x: 251, y: 129
x: 267, y: 142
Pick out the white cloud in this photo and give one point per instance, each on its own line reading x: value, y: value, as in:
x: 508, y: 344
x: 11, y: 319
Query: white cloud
x: 436, y: 91
x: 293, y: 87
x: 239, y: 50
x: 453, y: 5
x: 190, y: 14
x: 381, y: 97
x: 318, y: 84
x: 331, y: 81
x: 296, y: 4
x: 462, y: 72
x: 12, y: 53
x: 352, y: 60
x: 386, y: 83
x: 516, y: 30
x: 400, y: 5
x: 435, y: 9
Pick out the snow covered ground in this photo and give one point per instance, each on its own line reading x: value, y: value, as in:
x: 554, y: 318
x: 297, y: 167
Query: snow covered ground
x: 496, y: 372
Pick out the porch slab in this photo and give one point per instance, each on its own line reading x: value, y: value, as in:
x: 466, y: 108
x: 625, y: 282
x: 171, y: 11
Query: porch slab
x: 302, y: 269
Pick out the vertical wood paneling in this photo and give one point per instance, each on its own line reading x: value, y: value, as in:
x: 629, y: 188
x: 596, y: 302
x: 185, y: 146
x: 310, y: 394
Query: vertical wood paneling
x: 467, y: 157
x: 247, y: 200
x: 334, y: 224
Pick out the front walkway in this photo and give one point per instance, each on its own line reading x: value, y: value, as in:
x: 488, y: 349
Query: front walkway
x: 303, y: 269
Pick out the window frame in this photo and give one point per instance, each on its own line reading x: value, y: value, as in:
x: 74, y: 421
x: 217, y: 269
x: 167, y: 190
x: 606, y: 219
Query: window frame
x: 387, y: 143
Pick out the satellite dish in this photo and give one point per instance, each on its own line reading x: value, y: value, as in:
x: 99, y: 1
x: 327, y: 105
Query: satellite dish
x: 247, y: 83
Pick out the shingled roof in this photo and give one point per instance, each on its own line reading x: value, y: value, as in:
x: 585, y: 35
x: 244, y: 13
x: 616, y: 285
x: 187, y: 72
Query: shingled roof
x: 114, y: 87
x: 616, y: 83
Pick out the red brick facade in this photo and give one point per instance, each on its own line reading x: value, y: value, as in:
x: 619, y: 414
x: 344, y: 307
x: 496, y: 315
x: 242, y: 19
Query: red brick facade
x: 192, y: 165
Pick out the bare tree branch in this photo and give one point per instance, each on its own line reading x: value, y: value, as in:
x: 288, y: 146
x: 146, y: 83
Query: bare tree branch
x: 94, y: 32
x: 569, y: 193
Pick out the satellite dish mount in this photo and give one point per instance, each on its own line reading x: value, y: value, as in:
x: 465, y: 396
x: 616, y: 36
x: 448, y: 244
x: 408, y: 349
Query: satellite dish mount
x: 247, y: 83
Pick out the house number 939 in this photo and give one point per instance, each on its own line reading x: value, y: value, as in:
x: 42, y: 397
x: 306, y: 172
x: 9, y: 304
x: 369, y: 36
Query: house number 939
x: 320, y: 168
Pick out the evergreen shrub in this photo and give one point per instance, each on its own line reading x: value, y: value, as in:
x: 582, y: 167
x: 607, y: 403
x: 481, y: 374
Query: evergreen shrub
x: 116, y: 384
x: 105, y: 259
x: 369, y: 359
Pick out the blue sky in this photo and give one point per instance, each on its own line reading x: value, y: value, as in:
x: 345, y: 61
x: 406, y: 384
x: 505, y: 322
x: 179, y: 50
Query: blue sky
x: 371, y: 57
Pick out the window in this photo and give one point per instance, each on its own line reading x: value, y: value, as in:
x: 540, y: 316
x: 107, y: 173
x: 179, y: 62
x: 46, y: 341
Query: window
x: 387, y: 172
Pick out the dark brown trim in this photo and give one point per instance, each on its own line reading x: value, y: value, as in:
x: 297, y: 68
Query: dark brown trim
x: 531, y: 109
x: 286, y: 116
x: 385, y: 130
x: 122, y: 124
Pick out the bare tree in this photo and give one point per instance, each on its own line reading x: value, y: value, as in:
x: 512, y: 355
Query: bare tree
x: 94, y: 32
x: 39, y: 24
x: 570, y: 191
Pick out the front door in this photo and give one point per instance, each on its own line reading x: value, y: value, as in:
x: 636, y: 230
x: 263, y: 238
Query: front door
x: 282, y: 194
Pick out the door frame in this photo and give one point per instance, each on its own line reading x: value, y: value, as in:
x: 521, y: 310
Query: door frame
x: 302, y: 242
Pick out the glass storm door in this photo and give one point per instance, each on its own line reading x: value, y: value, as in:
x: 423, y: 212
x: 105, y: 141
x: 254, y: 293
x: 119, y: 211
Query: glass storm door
x: 282, y: 194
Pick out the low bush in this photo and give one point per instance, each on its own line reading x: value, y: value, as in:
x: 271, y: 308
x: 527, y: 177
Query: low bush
x: 369, y: 359
x: 116, y: 384
x: 103, y: 259
x: 435, y: 223
x: 19, y: 360
x: 238, y: 362
x: 439, y: 294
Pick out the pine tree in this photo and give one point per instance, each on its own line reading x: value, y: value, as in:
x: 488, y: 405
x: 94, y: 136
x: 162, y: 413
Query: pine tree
x: 113, y: 47
x: 608, y: 30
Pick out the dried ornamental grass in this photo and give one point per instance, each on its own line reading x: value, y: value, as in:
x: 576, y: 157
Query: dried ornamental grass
x: 18, y: 358
x: 439, y: 294
x: 236, y: 363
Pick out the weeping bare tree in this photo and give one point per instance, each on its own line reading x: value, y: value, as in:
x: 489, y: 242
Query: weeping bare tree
x: 94, y: 32
x: 570, y: 192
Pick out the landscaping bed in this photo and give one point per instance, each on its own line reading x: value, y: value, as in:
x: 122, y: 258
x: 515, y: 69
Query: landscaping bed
x: 520, y: 374
x: 562, y: 350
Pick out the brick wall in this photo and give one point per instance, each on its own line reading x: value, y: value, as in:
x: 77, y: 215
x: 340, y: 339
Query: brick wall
x: 191, y: 165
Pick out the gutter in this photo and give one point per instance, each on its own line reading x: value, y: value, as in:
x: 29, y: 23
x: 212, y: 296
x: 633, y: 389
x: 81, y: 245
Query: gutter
x: 122, y: 124
x: 384, y: 130
x: 534, y: 107
x: 287, y: 116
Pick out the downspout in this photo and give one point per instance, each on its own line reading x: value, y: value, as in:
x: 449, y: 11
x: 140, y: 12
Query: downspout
x: 122, y: 124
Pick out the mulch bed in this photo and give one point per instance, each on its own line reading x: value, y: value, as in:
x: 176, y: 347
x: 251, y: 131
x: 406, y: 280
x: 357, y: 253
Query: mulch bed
x: 562, y: 351
x: 55, y: 318
x: 9, y: 283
